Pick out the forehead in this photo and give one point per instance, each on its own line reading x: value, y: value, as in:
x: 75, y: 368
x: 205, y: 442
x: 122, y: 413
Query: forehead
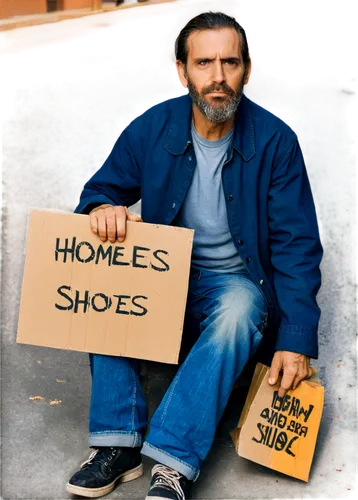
x: 208, y: 43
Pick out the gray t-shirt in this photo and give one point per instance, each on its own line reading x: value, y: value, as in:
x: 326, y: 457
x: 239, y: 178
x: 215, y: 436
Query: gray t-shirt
x: 204, y: 208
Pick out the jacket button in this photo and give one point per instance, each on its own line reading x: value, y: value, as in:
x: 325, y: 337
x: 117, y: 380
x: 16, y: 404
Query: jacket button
x: 230, y: 197
x: 261, y: 282
x: 190, y: 158
x: 240, y: 242
x: 173, y: 206
x: 248, y: 260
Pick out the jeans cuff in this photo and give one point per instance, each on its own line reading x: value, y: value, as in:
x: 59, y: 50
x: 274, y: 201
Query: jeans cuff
x: 166, y: 458
x: 115, y: 438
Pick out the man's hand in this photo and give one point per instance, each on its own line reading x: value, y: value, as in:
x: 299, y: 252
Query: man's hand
x: 110, y: 222
x: 296, y: 367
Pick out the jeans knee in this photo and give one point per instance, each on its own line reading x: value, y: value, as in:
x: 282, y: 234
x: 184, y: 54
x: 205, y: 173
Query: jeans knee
x: 236, y: 317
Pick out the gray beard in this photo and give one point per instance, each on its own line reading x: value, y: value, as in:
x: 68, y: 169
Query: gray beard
x: 219, y: 113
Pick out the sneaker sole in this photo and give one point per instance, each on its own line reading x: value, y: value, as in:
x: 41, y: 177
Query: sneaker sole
x: 130, y: 475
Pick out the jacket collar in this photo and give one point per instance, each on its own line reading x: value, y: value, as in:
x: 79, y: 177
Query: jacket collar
x: 179, y: 130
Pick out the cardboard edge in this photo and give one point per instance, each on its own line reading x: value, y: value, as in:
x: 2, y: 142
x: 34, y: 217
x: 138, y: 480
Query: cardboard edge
x: 259, y: 372
x: 183, y: 306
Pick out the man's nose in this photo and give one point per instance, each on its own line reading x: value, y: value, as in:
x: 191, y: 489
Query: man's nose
x: 218, y: 75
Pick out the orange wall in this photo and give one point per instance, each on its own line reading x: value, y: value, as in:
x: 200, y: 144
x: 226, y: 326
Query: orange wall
x: 9, y: 8
x: 75, y: 4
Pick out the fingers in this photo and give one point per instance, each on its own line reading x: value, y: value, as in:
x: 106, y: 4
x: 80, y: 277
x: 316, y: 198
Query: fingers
x: 132, y: 217
x: 111, y: 222
x: 123, y: 214
x: 93, y: 217
x: 98, y: 224
x: 93, y: 223
x: 304, y: 373
x: 121, y: 221
x: 105, y: 221
x: 296, y: 368
x: 101, y: 224
x: 296, y: 382
x: 287, y: 380
x: 276, y: 366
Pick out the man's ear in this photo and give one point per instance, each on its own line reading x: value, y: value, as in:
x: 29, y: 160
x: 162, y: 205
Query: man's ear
x: 182, y: 72
x: 247, y: 72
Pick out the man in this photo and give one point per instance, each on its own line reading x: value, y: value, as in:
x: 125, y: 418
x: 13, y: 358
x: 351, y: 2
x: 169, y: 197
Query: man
x: 216, y: 162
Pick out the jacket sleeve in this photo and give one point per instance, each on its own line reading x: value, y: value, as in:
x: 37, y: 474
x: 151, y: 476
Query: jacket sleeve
x: 296, y: 253
x: 117, y: 182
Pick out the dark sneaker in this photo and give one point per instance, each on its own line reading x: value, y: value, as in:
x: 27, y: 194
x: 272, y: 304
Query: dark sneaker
x: 167, y: 484
x: 105, y: 468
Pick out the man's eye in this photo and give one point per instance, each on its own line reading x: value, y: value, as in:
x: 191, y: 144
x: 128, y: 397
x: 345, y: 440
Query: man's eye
x: 203, y: 63
x: 231, y: 62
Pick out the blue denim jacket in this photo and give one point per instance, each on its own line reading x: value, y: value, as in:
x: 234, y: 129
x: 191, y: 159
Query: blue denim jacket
x: 269, y: 203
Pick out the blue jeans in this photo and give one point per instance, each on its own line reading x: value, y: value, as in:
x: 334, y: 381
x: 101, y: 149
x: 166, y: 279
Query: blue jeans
x: 232, y: 315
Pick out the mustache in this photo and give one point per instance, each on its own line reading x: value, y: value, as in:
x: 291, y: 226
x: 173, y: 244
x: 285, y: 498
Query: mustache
x: 224, y: 87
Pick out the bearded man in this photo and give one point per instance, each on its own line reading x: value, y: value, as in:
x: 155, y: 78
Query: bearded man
x: 215, y: 162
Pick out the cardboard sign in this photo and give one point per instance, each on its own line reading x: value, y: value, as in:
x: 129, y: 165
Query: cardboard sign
x: 124, y: 299
x: 280, y: 433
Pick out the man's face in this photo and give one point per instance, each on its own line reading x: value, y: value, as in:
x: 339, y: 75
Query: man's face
x: 214, y: 74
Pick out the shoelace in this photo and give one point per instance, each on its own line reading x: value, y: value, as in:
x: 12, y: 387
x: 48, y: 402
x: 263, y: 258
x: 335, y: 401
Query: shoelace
x: 169, y: 477
x: 93, y: 454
